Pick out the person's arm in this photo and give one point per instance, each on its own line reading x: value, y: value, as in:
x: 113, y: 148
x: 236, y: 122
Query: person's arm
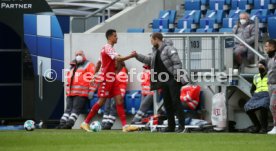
x: 123, y: 58
x: 252, y: 34
x: 253, y: 88
x: 144, y: 59
x: 98, y: 66
x: 177, y: 65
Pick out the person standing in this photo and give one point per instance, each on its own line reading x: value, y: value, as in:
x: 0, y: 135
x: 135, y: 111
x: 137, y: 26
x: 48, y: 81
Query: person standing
x: 108, y: 84
x: 270, y: 48
x: 109, y: 116
x: 165, y: 63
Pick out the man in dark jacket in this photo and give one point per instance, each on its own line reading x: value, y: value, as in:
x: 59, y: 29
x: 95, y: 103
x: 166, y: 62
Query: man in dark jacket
x: 165, y: 74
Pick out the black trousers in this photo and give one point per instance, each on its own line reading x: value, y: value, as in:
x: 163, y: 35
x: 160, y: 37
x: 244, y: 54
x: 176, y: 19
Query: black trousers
x: 172, y: 104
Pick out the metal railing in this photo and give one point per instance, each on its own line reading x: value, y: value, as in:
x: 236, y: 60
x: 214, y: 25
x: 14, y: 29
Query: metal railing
x: 202, y: 52
x: 84, y: 21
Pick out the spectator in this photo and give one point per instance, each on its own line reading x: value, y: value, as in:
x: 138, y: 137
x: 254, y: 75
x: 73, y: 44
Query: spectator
x: 109, y: 116
x: 270, y: 48
x: 166, y: 63
x: 259, y: 101
x: 245, y: 29
x: 78, y: 89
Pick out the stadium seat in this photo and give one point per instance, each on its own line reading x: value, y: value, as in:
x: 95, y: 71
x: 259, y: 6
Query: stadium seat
x: 192, y: 4
x: 133, y: 101
x: 271, y: 27
x: 211, y: 21
x: 204, y: 4
x: 261, y: 14
x: 229, y: 22
x: 165, y: 22
x: 217, y: 5
x: 187, y: 21
x: 239, y: 4
x: 136, y: 30
x: 262, y: 4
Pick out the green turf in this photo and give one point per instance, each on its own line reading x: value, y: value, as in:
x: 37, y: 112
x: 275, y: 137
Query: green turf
x: 71, y: 140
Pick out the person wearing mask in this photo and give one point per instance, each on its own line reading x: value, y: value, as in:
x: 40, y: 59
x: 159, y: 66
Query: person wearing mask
x: 259, y: 101
x: 245, y: 29
x: 78, y: 89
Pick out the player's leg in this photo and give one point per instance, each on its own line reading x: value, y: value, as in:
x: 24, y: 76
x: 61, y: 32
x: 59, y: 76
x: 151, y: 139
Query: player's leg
x: 120, y: 108
x: 94, y: 110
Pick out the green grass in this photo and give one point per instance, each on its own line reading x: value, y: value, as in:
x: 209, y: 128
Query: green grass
x: 71, y: 140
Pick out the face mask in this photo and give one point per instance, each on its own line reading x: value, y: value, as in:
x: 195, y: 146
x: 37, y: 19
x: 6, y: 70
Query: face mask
x: 271, y: 54
x: 261, y: 70
x: 79, y: 59
x: 242, y: 21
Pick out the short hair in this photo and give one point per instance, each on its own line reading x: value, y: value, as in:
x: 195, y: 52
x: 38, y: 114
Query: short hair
x: 244, y: 13
x: 109, y: 32
x: 157, y: 35
x: 272, y: 42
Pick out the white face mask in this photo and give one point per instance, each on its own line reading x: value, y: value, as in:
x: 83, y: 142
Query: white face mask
x: 79, y: 59
x: 243, y: 21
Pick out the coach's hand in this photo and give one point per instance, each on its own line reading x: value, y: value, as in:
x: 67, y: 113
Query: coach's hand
x: 133, y: 54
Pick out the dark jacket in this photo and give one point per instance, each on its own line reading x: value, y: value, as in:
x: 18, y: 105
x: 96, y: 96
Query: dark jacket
x: 170, y: 58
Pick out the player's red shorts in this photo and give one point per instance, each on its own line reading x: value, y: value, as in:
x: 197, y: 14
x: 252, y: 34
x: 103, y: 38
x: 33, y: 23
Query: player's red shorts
x: 109, y: 89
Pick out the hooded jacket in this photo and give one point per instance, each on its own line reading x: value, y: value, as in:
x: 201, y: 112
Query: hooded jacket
x: 169, y: 57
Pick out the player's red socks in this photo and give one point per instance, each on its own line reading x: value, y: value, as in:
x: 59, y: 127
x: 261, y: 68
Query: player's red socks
x: 121, y: 113
x: 92, y: 113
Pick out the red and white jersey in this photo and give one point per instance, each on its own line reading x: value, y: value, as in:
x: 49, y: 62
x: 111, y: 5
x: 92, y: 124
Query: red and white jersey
x: 108, y: 55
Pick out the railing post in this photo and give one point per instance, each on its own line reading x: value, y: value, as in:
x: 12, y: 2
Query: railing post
x: 103, y: 15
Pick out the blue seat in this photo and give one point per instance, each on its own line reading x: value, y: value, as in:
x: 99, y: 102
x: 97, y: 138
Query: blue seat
x: 192, y: 4
x: 239, y: 4
x: 135, y: 30
x: 271, y: 27
x: 261, y: 14
x: 229, y: 22
x: 165, y: 21
x: 212, y: 19
x: 202, y: 30
x: 226, y: 30
x: 132, y: 101
x: 261, y: 4
x: 217, y: 4
x: 185, y: 23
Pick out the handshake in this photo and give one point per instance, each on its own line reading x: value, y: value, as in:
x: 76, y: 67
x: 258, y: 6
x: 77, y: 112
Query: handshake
x: 133, y: 54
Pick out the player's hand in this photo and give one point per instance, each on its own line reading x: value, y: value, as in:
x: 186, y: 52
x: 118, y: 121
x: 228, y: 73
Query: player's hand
x: 133, y: 54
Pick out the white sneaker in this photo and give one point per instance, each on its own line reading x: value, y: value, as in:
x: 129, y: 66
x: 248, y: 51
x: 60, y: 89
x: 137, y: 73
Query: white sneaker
x: 273, y: 131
